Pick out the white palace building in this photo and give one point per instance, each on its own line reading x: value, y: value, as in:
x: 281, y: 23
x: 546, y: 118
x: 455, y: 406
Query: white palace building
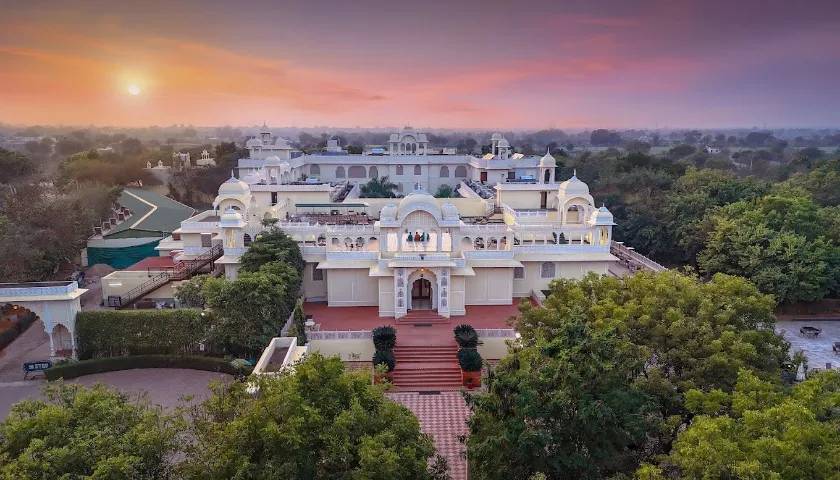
x: 510, y: 228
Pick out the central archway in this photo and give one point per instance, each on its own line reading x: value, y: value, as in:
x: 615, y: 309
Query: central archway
x: 421, y: 294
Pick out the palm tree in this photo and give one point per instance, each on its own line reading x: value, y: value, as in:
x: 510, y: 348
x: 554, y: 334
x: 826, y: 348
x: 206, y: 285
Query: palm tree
x: 379, y: 188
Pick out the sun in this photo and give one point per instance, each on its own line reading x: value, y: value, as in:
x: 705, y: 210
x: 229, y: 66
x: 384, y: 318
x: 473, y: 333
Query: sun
x: 133, y: 90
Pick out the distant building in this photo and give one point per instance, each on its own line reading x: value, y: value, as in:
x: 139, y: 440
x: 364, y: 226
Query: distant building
x: 712, y: 150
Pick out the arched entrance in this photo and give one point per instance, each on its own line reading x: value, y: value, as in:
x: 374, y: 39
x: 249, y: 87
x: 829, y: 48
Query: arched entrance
x: 62, y: 341
x: 421, y: 294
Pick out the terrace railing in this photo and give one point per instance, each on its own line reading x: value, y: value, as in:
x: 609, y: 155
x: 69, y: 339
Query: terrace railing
x: 182, y: 270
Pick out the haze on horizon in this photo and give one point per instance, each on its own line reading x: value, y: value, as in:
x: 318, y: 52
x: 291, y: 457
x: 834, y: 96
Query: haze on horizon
x: 477, y: 64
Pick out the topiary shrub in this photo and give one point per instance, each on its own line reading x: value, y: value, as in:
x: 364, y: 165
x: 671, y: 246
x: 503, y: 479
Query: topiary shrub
x: 384, y: 337
x: 466, y: 336
x: 385, y: 357
x: 470, y: 360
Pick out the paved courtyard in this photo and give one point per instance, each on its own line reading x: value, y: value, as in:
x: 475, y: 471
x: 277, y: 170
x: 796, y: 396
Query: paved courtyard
x: 817, y: 350
x: 367, y: 318
x: 444, y: 417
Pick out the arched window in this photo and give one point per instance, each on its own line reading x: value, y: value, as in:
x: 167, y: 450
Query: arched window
x: 399, y: 169
x: 547, y: 270
x: 460, y: 171
x: 314, y: 170
x: 339, y: 172
x: 356, y: 171
x: 417, y: 170
x: 247, y: 240
x: 444, y: 172
x: 373, y: 172
x: 547, y: 175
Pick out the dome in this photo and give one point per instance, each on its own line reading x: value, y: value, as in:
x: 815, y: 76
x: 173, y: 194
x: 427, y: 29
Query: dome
x: 233, y: 186
x: 547, y: 160
x: 504, y: 143
x: 602, y: 216
x: 573, y: 187
x: 496, y: 136
x: 272, y: 161
x: 418, y: 200
x: 388, y: 212
x: 254, y: 142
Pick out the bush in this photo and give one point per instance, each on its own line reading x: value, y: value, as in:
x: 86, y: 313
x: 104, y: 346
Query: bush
x: 466, y: 336
x: 299, y: 322
x: 384, y: 337
x: 9, y: 336
x: 108, y: 333
x: 385, y: 357
x: 470, y: 360
x: 99, y: 365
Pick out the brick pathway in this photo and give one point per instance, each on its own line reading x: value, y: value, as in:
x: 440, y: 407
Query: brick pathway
x: 444, y: 417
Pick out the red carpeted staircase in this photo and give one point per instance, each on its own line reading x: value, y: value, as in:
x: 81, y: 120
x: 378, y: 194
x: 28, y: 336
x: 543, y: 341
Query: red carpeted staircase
x: 426, y: 368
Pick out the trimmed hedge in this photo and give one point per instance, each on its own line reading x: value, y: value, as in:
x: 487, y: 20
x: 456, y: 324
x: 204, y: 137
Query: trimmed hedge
x: 114, y: 333
x: 99, y: 365
x: 23, y: 323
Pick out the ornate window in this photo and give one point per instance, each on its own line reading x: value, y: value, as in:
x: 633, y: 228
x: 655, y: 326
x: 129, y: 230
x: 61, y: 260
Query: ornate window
x: 417, y: 170
x: 460, y: 171
x: 547, y: 270
x: 399, y: 169
x: 339, y: 172
x: 444, y: 172
x: 247, y: 240
x: 373, y: 172
x: 518, y: 273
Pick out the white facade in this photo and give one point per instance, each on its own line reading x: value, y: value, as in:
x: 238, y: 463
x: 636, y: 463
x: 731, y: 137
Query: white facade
x: 512, y: 230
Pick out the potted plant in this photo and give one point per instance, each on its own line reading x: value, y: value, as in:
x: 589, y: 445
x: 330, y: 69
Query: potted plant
x: 384, y: 337
x: 466, y: 336
x: 471, y: 362
x: 383, y: 364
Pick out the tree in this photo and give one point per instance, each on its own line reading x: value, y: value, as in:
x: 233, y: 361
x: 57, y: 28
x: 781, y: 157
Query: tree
x: 445, y: 191
x: 696, y: 194
x: 189, y: 293
x: 273, y: 245
x: 760, y: 431
x: 779, y: 242
x: 604, y: 138
x: 14, y: 166
x: 247, y: 312
x: 690, y: 334
x: 565, y: 406
x: 316, y: 422
x: 379, y: 188
x: 79, y: 432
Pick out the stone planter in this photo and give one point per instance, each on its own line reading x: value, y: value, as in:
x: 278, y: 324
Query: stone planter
x: 471, y: 379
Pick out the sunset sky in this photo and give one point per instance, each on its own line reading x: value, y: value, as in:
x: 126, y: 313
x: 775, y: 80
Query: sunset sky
x: 480, y: 64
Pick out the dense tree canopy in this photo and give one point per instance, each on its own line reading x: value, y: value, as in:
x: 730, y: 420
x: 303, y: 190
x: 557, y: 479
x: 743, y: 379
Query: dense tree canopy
x: 760, y: 430
x: 666, y: 334
x: 272, y: 246
x: 319, y: 422
x: 784, y: 243
x: 86, y: 433
x: 14, y: 166
x: 42, y: 227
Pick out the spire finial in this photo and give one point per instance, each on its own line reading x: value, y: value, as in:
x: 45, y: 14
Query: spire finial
x: 548, y: 150
x: 574, y: 172
x: 231, y: 174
